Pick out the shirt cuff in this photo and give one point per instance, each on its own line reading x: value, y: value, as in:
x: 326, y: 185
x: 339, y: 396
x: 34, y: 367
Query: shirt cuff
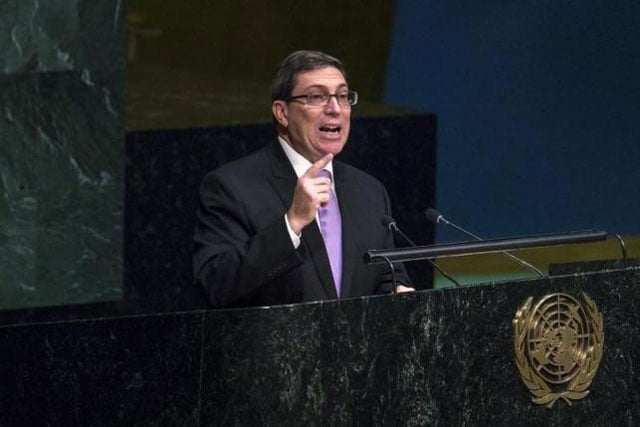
x: 295, y: 238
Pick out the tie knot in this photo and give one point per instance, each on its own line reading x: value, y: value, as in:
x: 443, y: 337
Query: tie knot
x: 324, y: 173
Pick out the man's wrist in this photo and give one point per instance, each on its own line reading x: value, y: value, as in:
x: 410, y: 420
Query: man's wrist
x: 292, y: 222
x: 295, y: 237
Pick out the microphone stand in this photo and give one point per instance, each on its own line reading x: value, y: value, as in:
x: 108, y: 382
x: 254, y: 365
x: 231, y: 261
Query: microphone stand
x: 432, y: 214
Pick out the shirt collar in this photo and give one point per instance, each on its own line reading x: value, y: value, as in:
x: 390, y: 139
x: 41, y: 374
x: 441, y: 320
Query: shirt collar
x: 298, y: 161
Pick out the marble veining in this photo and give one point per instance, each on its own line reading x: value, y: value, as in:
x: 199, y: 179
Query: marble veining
x: 61, y: 150
x: 128, y: 371
x: 439, y: 357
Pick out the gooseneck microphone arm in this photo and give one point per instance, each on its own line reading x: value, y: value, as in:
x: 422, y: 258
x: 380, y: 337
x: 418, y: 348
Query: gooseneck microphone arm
x: 436, y: 217
x: 392, y: 269
x: 390, y: 223
x: 623, y: 247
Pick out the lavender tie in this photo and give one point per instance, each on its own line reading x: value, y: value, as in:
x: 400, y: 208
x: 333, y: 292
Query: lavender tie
x: 331, y: 225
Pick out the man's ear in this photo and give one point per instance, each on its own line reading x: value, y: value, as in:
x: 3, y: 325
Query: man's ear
x: 280, y: 111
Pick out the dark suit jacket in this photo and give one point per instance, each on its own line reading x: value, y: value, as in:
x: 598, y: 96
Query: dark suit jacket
x: 243, y: 252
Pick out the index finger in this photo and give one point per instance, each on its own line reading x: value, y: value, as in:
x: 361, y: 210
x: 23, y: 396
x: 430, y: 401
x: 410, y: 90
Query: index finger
x: 319, y: 165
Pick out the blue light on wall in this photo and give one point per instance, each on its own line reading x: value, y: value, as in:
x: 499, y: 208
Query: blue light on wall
x: 538, y: 108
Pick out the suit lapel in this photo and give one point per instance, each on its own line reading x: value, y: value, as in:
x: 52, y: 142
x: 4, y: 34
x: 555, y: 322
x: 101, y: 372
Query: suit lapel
x: 283, y: 177
x: 284, y: 181
x: 347, y: 196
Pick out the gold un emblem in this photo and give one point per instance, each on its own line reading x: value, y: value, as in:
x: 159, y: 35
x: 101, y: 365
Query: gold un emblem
x: 558, y: 341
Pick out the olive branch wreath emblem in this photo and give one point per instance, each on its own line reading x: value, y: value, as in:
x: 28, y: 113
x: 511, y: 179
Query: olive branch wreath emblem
x: 578, y: 386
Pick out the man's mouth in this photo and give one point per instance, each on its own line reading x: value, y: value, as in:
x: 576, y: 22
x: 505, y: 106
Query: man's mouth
x: 330, y: 129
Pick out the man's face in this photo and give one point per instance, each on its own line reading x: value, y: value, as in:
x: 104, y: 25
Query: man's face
x: 315, y: 131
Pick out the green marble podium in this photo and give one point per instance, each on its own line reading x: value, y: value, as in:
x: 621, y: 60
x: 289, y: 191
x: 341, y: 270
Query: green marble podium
x: 437, y: 357
x: 441, y: 357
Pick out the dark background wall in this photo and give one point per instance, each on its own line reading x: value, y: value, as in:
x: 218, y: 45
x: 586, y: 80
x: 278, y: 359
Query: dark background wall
x: 244, y: 41
x: 538, y: 108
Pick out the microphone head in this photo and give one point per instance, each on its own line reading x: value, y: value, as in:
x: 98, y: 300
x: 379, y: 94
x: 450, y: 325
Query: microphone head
x: 433, y: 215
x: 387, y: 221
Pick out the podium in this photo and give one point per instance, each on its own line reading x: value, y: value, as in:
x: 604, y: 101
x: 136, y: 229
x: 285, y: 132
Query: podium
x: 438, y: 357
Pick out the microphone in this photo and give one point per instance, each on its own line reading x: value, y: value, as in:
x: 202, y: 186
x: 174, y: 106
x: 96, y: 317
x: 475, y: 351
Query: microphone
x: 390, y: 223
x: 437, y: 218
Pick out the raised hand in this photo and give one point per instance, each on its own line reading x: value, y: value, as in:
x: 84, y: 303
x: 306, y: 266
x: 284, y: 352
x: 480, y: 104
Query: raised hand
x: 311, y: 193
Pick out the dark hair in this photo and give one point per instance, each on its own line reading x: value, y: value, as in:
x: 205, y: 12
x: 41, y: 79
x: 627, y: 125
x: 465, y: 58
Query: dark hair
x: 296, y: 63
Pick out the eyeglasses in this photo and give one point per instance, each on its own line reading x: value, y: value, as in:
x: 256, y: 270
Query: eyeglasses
x: 321, y: 99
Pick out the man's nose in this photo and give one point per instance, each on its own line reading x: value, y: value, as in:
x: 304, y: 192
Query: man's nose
x: 332, y: 106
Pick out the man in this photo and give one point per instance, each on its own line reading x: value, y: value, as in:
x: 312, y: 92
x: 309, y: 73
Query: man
x: 288, y: 223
